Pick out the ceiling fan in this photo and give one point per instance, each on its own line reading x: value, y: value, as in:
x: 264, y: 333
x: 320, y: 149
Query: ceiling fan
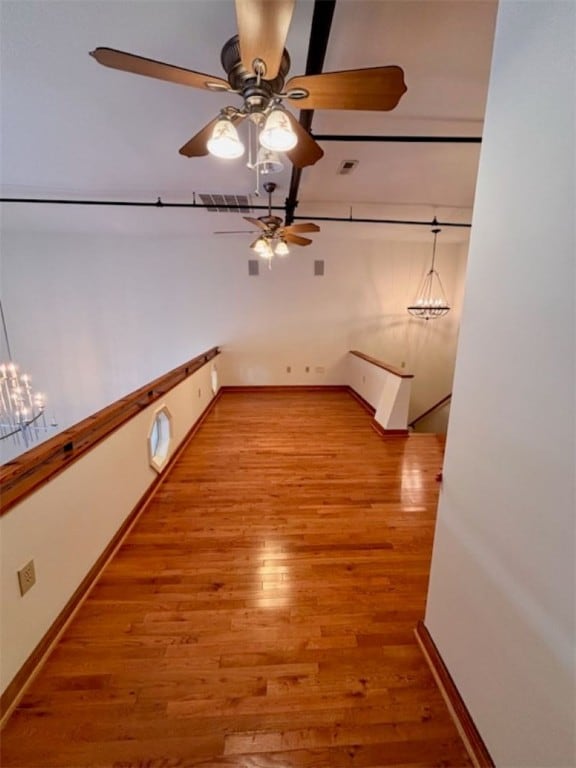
x: 273, y: 237
x: 256, y: 64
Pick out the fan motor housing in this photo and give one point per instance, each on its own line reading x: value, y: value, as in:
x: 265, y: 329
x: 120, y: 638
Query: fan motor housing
x: 256, y: 95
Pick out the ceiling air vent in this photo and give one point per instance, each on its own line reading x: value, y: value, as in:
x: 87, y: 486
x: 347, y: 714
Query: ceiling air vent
x: 226, y: 203
x: 319, y: 268
x: 253, y: 267
x: 347, y: 166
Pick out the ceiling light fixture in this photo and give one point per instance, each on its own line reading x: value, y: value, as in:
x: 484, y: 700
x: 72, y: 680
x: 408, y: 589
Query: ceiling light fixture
x: 431, y: 300
x: 268, y: 162
x: 262, y: 247
x: 281, y: 248
x: 224, y: 141
x: 277, y: 134
x: 22, y: 411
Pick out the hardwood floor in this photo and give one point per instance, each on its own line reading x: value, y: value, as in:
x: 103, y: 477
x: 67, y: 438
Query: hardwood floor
x: 261, y: 612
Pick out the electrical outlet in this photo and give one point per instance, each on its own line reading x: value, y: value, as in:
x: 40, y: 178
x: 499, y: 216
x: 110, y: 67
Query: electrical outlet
x: 288, y: 369
x: 307, y: 369
x: 27, y: 577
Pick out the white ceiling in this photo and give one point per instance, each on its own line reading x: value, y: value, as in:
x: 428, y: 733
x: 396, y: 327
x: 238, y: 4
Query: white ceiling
x: 72, y: 128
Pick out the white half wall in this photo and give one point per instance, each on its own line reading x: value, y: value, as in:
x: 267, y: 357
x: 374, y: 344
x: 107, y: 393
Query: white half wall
x: 501, y: 603
x: 386, y: 392
x: 367, y: 379
x: 67, y: 524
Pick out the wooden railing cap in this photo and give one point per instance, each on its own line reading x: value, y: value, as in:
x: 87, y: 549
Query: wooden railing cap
x: 390, y: 368
x: 20, y: 477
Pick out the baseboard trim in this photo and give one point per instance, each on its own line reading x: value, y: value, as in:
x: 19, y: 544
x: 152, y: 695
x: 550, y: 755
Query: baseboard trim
x: 466, y: 728
x: 389, y: 432
x: 11, y: 696
x: 364, y: 403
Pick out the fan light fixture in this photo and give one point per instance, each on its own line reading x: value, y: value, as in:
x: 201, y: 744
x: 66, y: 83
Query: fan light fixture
x: 21, y: 409
x: 268, y: 162
x: 431, y: 300
x: 281, y: 248
x: 263, y: 248
x: 277, y: 134
x: 224, y: 141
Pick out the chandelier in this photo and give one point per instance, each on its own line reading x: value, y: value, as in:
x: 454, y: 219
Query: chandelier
x: 431, y: 300
x: 22, y: 410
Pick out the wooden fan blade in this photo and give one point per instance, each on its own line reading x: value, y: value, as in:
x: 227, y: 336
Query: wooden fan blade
x: 262, y: 30
x: 377, y: 88
x: 296, y: 239
x: 307, y: 151
x: 197, y: 146
x: 128, y: 62
x: 306, y: 227
x: 256, y: 222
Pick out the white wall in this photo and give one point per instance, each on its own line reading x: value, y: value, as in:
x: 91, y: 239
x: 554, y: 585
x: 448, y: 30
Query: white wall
x: 66, y: 525
x: 436, y: 422
x: 502, y: 591
x: 387, y: 332
x: 93, y: 316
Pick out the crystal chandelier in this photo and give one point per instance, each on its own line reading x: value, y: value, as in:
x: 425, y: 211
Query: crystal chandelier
x: 431, y: 300
x: 22, y: 411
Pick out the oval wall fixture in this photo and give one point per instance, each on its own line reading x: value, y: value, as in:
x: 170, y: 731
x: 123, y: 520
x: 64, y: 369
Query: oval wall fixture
x: 160, y: 438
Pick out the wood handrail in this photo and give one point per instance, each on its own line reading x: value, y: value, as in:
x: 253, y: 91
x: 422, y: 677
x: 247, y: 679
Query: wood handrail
x: 390, y: 368
x: 429, y: 411
x: 20, y: 477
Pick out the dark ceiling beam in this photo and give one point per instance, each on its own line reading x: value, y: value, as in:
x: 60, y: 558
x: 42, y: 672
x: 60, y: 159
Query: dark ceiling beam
x: 136, y: 204
x: 407, y: 139
x: 317, y: 47
x: 160, y: 204
x: 358, y: 220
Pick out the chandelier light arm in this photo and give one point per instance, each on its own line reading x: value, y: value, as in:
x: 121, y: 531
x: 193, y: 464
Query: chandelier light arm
x: 443, y: 292
x: 4, y: 397
x: 29, y: 424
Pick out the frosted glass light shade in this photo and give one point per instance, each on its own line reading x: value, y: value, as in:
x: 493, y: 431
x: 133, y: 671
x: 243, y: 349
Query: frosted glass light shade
x: 268, y: 162
x: 281, y: 249
x: 224, y: 141
x: 277, y: 134
x: 262, y: 247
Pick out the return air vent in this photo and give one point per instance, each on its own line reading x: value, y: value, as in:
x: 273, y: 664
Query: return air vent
x: 253, y: 267
x: 347, y: 166
x: 226, y: 203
